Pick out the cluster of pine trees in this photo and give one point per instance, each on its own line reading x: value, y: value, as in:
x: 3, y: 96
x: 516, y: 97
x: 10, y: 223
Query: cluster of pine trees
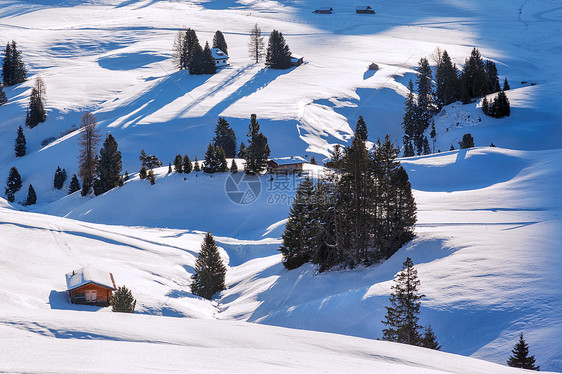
x: 277, y: 55
x: 13, y: 68
x: 14, y: 184
x: 498, y: 108
x: 361, y: 213
x: 478, y: 78
x: 402, y: 316
x: 189, y: 55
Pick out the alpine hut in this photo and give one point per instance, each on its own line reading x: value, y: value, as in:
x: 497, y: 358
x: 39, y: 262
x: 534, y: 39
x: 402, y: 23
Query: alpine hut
x: 90, y: 286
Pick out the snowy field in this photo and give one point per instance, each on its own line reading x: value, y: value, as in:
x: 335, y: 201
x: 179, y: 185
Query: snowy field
x: 487, y: 249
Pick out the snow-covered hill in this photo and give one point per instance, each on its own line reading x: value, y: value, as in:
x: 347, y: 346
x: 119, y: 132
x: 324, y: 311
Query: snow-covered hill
x: 487, y: 246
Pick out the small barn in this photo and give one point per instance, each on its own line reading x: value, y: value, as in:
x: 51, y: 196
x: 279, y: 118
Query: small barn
x: 325, y: 10
x: 90, y: 286
x: 220, y: 58
x: 285, y: 165
x: 296, y: 60
x: 365, y: 9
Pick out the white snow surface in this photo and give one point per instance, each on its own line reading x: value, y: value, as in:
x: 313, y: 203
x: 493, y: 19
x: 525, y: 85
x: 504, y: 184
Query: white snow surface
x: 487, y: 246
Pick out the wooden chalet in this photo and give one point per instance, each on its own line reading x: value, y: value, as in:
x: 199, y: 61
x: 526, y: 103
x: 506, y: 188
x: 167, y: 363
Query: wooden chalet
x: 220, y: 58
x: 365, y: 9
x: 285, y: 165
x: 325, y: 10
x: 90, y: 286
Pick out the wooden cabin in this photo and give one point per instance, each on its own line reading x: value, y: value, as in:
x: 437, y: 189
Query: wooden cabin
x: 296, y: 60
x: 365, y: 9
x: 285, y: 165
x: 325, y: 10
x: 220, y: 58
x: 90, y: 286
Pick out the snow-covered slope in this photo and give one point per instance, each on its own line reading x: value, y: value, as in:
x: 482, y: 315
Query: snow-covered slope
x: 487, y: 246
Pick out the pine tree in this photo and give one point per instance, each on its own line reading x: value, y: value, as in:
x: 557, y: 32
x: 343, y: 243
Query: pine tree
x: 178, y: 164
x: 485, y: 106
x: 225, y: 138
x: 243, y: 151
x: 474, y: 77
x: 122, y: 300
x: 209, y: 275
x: 109, y: 166
x: 299, y: 243
x: 126, y: 177
x: 520, y: 356
x: 169, y: 168
x: 13, y: 184
x: 74, y: 184
x: 278, y: 55
x: 233, y: 167
x: 425, y: 106
x: 506, y: 85
x: 258, y: 151
x: 499, y: 107
x: 89, y: 139
x: 13, y: 68
x: 187, y: 166
x: 20, y: 146
x: 3, y: 97
x: 60, y: 178
x: 219, y: 42
x: 211, y: 160
x: 149, y: 161
x: 36, y: 110
x: 361, y: 129
x: 142, y: 172
x: 493, y: 80
x: 208, y: 62
x: 313, y: 161
x: 429, y: 340
x: 185, y: 40
x: 31, y: 196
x: 467, y: 141
x: 196, y: 64
x: 409, y: 120
x: 447, y: 88
x: 402, y: 316
x: 196, y: 166
x: 255, y: 45
x: 426, y: 148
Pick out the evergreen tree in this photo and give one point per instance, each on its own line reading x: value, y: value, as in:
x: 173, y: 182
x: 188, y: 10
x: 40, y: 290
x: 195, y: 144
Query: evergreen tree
x: 447, y: 88
x: 219, y: 42
x: 467, y: 141
x: 185, y: 40
x: 485, y: 106
x: 178, y: 164
x: 126, y: 177
x: 474, y: 77
x: 402, y: 316
x: 426, y: 148
x: 3, y: 97
x: 74, y: 184
x: 13, y: 183
x: 215, y: 161
x: 258, y: 151
x: 20, y: 146
x: 122, y: 300
x: 36, y: 111
x: 299, y: 243
x: 233, y: 167
x: 499, y: 107
x: 255, y: 45
x: 209, y: 275
x: 151, y: 177
x: 493, y: 80
x: 506, y: 85
x: 187, y: 166
x: 361, y: 129
x: 520, y: 356
x: 335, y: 157
x: 13, y: 68
x: 60, y: 178
x: 429, y: 340
x: 409, y: 121
x: 208, y: 63
x: 31, y: 196
x: 425, y: 106
x: 225, y: 138
x: 278, y: 55
x: 169, y: 168
x: 142, y: 172
x: 196, y: 166
x: 313, y: 161
x: 109, y: 166
x: 243, y: 150
x: 452, y: 148
x: 149, y: 161
x: 89, y: 139
x: 196, y: 64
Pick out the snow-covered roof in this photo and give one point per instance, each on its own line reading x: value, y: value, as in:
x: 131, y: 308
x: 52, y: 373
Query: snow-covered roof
x: 363, y: 7
x: 295, y: 57
x: 218, y: 54
x: 81, y: 277
x: 325, y: 8
x: 289, y: 160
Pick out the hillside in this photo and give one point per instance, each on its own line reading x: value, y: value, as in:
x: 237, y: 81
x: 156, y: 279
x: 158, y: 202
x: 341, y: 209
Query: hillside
x: 487, y: 246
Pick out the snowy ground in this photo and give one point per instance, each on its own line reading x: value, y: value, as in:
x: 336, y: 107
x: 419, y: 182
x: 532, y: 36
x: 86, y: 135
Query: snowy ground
x: 487, y: 246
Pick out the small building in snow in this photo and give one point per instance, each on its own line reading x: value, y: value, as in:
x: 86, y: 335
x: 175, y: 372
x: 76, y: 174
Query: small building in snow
x: 90, y: 286
x: 220, y: 58
x: 285, y: 165
x: 365, y: 9
x: 324, y: 10
x: 296, y: 60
